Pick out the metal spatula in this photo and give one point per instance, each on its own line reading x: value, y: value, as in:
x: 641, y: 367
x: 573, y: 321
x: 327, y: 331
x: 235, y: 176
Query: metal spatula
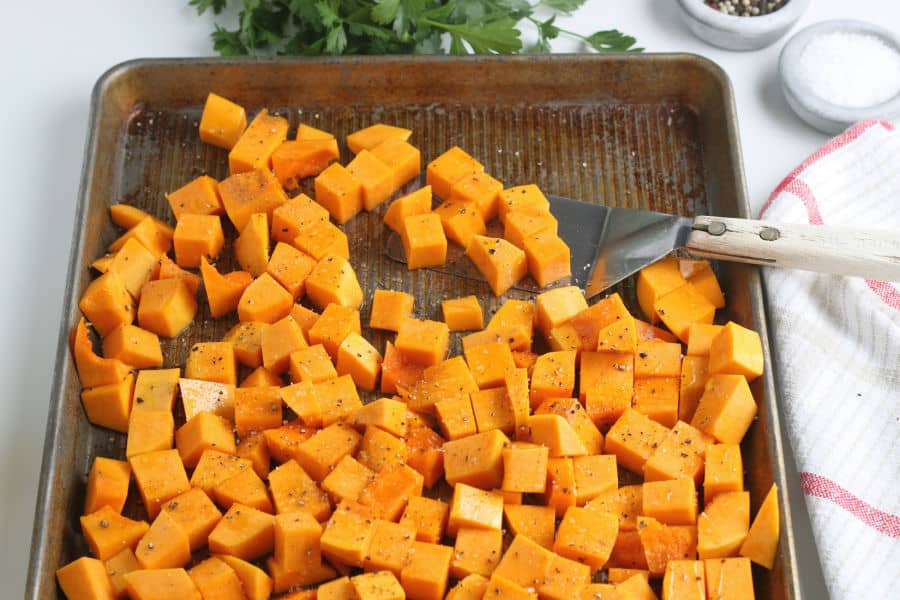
x: 608, y: 244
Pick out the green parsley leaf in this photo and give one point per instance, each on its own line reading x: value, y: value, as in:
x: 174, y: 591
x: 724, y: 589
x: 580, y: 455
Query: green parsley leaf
x: 612, y: 40
x: 217, y: 6
x: 228, y: 43
x: 565, y: 6
x: 336, y: 40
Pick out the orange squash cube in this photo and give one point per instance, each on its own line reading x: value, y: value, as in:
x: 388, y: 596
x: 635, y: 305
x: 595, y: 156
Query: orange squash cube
x: 502, y: 264
x: 736, y: 350
x: 723, y: 525
x: 654, y: 282
x: 165, y: 545
x: 733, y: 576
x: 117, y: 567
x: 251, y: 248
x: 595, y: 474
x: 548, y: 256
x: 554, y: 432
x: 493, y: 410
x: 476, y: 460
x: 294, y: 160
x: 665, y: 543
x: 107, y: 304
x: 261, y: 377
x: 462, y: 314
x: 700, y: 337
x: 633, y: 438
x: 198, y: 197
x: 391, y: 488
x: 206, y: 396
x: 290, y: 267
x: 455, y: 417
x: 402, y: 158
x: 572, y: 411
x: 256, y: 409
x: 389, y: 546
x: 525, y: 468
x: 375, y: 177
x: 520, y: 225
x: 535, y: 522
x: 134, y: 346
x: 726, y: 409
x: 348, y: 533
x: 556, y: 306
x: 279, y: 340
x: 152, y: 233
x: 380, y: 585
x: 425, y: 453
x: 149, y: 431
x: 243, y: 532
x: 256, y: 584
x: 254, y: 448
x: 294, y: 216
x: 422, y: 341
x: 762, y: 539
x: 389, y: 309
x: 223, y: 292
x: 160, y: 584
x: 657, y: 359
x: 204, y: 431
x: 694, y: 375
x: 427, y: 570
x: 516, y: 320
x: 426, y: 517
x: 339, y: 191
x: 333, y: 281
x: 724, y: 470
x: 253, y: 150
x: 680, y: 454
x: 135, y: 266
x: 476, y: 551
x: 416, y: 203
x: 359, y: 359
x: 657, y: 397
x: 448, y: 168
x: 335, y: 324
x: 521, y: 198
x: 700, y: 275
x: 85, y: 578
x: 385, y: 413
x: 214, y: 467
x: 370, y: 137
x: 424, y: 241
x: 167, y: 307
x: 155, y: 389
x: 213, y: 577
x: 461, y: 221
x: 127, y: 216
x: 397, y: 373
x: 681, y: 308
x: 560, y: 491
x: 196, y: 236
x: 256, y: 191
x: 110, y: 405
x: 481, y: 190
x: 294, y: 490
x: 311, y: 364
x: 606, y: 385
x: 587, y: 536
x: 211, y: 361
x: 297, y: 541
x: 160, y: 476
x: 685, y: 579
x: 490, y: 364
x: 671, y: 502
x: 347, y: 479
x: 264, y: 301
x: 107, y: 533
x: 107, y: 485
x: 378, y: 448
x: 321, y: 453
x: 338, y: 399
x: 195, y: 513
x: 564, y: 579
x: 525, y: 563
x: 222, y: 122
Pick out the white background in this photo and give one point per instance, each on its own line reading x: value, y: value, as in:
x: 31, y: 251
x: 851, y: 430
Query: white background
x: 53, y: 52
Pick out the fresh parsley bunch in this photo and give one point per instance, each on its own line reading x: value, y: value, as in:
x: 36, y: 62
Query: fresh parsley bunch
x: 311, y: 27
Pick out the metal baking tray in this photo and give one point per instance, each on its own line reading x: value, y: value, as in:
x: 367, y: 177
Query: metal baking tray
x: 645, y: 131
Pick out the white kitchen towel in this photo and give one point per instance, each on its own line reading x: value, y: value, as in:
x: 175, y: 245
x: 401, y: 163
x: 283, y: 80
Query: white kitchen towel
x: 838, y: 340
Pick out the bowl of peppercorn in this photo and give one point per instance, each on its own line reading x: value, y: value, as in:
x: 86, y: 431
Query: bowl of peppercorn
x: 741, y: 24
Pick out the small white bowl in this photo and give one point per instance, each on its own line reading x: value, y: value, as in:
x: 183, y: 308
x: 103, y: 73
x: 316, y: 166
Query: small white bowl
x: 740, y: 33
x: 817, y: 111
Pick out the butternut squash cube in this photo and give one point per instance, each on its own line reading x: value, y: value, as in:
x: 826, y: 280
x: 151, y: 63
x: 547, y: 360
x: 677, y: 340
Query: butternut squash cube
x: 462, y: 314
x: 481, y: 190
x: 214, y: 578
x: 595, y: 474
x: 762, y: 539
x: 493, y: 410
x: 264, y: 301
x: 251, y: 248
x: 476, y: 460
x: 425, y: 453
x: 426, y: 517
x: 311, y: 364
x: 149, y: 431
x: 684, y: 579
x: 261, y: 377
x: 564, y: 579
x: 556, y: 306
x: 293, y: 489
x: 525, y: 468
x: 726, y: 408
x: 385, y: 413
x: 152, y: 233
x: 422, y: 341
x: 107, y: 532
x: 107, y: 485
x: 117, y: 567
x: 554, y: 432
x: 700, y: 337
x: 206, y: 396
x: 553, y: 376
x: 253, y: 191
x: 214, y: 467
x: 347, y: 479
x: 535, y: 522
x: 195, y: 513
x: 379, y: 448
x: 196, y: 236
x: 575, y: 415
x: 723, y: 525
x: 699, y: 273
x: 295, y: 215
x: 167, y: 307
x: 359, y: 359
x: 654, y: 282
x: 109, y: 405
x: 525, y: 563
x: 681, y: 308
x: 107, y: 304
x: 134, y: 346
x: 388, y: 492
x: 490, y: 364
x: 160, y: 476
x: 657, y: 359
x: 127, y: 216
x: 389, y: 309
x: 339, y: 191
x: 476, y: 551
x: 731, y: 578
x: 165, y: 545
x: 515, y: 320
x: 448, y: 168
x: 256, y: 584
x: 290, y: 267
x: 295, y: 160
x: 587, y: 536
x: 160, y: 584
x: 549, y: 257
x: 223, y: 292
x: 155, y: 389
x: 204, y: 431
x: 333, y: 281
x: 347, y: 534
x: 560, y: 491
x: 335, y: 324
x: 402, y: 158
x: 517, y: 392
x: 606, y: 385
x: 380, y: 585
x: 522, y: 224
x: 461, y: 221
x: 521, y: 198
x: 501, y: 588
x: 375, y: 177
x: 256, y: 409
x: 169, y: 270
x: 336, y: 589
x: 633, y: 438
x: 389, y: 546
x: 370, y: 137
x: 254, y: 148
x: 243, y: 532
x: 427, y: 570
x: 694, y: 375
x: 619, y: 337
x: 472, y: 507
x: 321, y: 453
x: 665, y: 543
x: 211, y: 361
x: 416, y: 203
x: 85, y: 577
x: 680, y: 454
x: 279, y: 340
x: 197, y: 197
x: 255, y: 449
x: 424, y: 241
x: 338, y: 399
x: 671, y: 502
x: 135, y: 266
x: 736, y: 350
x: 297, y: 541
x: 222, y: 121
x: 471, y: 587
x: 657, y: 397
x: 502, y: 264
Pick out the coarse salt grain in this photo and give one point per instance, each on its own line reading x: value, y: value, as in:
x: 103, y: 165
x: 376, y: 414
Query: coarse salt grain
x: 850, y: 69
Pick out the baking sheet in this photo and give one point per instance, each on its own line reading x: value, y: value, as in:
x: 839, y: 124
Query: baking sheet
x: 653, y: 131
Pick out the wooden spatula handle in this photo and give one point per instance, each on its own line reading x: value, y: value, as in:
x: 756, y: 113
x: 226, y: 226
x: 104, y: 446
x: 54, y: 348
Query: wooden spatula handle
x: 867, y: 253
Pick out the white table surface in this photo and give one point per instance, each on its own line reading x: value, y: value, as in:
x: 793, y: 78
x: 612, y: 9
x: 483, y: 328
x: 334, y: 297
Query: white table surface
x: 52, y: 55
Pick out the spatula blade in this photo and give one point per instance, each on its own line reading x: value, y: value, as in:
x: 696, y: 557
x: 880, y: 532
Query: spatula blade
x: 609, y: 243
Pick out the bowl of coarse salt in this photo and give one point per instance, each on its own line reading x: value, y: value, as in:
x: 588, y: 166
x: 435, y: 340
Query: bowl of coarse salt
x: 741, y: 24
x: 836, y: 73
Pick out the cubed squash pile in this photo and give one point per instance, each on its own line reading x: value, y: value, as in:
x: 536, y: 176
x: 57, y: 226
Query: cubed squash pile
x: 568, y: 444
